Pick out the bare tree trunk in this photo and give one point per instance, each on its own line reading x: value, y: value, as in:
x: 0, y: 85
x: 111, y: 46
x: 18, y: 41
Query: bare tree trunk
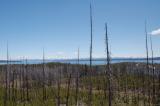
x: 23, y: 83
x: 90, y: 73
x: 59, y: 87
x: 44, y: 87
x: 147, y: 67
x: 138, y: 85
x: 77, y: 81
x: 126, y: 88
x: 13, y: 76
x: 6, y: 80
x: 9, y: 79
x: 27, y: 81
x: 108, y: 70
x: 134, y: 86
x: 16, y: 87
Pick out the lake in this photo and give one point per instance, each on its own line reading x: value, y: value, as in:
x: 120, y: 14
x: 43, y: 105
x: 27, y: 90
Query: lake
x: 83, y: 61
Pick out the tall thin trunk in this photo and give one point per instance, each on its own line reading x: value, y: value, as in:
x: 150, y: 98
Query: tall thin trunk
x: 23, y: 82
x: 138, y: 81
x: 147, y: 67
x: 27, y: 81
x: 126, y: 87
x: 44, y: 87
x: 77, y: 81
x: 90, y: 75
x: 6, y: 80
x: 9, y: 85
x: 134, y: 87
x: 13, y: 84
x: 16, y: 87
x: 108, y: 69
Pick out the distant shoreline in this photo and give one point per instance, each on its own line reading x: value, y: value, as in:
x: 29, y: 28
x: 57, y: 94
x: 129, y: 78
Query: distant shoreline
x: 95, y: 61
x: 2, y: 61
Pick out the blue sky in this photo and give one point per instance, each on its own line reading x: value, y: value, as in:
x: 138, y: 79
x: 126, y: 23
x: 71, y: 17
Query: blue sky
x: 61, y: 26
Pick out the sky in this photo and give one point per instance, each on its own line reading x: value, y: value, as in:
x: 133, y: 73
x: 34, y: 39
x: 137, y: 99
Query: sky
x: 60, y: 27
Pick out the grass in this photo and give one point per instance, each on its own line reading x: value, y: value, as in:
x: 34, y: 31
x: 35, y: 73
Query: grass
x: 126, y: 88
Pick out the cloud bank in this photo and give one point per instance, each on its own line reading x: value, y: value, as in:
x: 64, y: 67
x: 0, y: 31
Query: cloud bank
x: 155, y: 32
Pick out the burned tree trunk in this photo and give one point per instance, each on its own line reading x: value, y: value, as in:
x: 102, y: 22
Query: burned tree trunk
x: 90, y: 72
x: 147, y: 66
x: 44, y: 87
x: 27, y: 82
x: 77, y: 81
x: 108, y: 70
x: 13, y: 84
x: 6, y: 79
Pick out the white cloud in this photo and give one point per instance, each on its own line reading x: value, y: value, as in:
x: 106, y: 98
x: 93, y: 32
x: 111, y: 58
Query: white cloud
x: 155, y: 32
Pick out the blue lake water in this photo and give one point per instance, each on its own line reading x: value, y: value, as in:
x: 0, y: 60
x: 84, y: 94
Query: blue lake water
x: 94, y: 62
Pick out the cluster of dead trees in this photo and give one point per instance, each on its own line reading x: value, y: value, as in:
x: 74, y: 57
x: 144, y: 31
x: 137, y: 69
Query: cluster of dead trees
x: 60, y: 84
x: 67, y: 84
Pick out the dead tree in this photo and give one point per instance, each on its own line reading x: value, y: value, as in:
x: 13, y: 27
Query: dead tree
x: 134, y: 99
x: 9, y: 81
x: 90, y: 73
x: 126, y: 87
x: 44, y: 87
x: 16, y: 87
x: 6, y: 79
x: 147, y: 67
x: 27, y: 81
x: 77, y: 81
x: 108, y: 69
x: 138, y: 81
x: 59, y: 86
x: 23, y: 82
x: 13, y: 84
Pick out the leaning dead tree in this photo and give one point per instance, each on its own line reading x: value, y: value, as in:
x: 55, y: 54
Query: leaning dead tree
x: 108, y: 70
x: 90, y: 73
